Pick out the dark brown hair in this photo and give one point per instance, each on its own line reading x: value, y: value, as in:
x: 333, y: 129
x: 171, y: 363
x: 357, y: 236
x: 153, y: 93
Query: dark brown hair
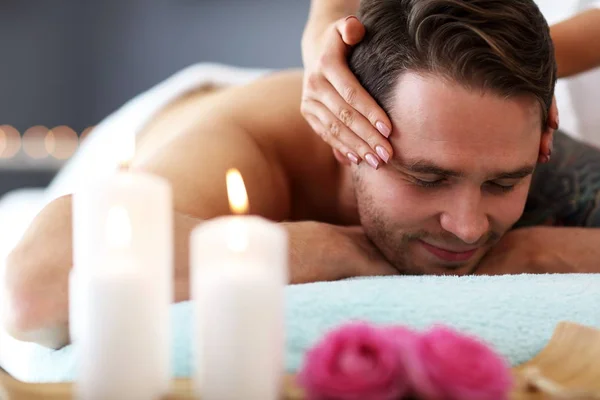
x: 498, y: 45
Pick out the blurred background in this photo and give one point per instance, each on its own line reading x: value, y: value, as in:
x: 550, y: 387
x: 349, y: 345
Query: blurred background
x: 67, y: 64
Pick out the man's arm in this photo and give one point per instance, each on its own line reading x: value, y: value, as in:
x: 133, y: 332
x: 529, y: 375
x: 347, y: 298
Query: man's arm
x: 544, y: 250
x: 37, y: 270
x: 577, y: 43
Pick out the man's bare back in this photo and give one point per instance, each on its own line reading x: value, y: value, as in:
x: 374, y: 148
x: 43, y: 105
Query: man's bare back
x: 291, y: 175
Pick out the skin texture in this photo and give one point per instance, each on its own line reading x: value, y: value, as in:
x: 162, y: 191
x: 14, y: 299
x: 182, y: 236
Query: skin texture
x: 478, y: 135
x: 293, y: 178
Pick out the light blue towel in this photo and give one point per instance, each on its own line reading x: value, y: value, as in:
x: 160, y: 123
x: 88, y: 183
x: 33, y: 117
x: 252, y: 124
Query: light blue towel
x: 516, y: 314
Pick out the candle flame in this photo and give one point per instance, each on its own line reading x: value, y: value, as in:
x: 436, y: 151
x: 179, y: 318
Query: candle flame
x: 237, y: 239
x: 118, y: 228
x: 236, y: 192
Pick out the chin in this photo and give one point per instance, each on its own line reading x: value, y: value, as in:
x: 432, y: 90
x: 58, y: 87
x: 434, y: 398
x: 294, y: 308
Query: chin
x: 412, y: 261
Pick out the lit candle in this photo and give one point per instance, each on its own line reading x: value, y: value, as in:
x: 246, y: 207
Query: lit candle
x: 121, y: 287
x: 239, y: 273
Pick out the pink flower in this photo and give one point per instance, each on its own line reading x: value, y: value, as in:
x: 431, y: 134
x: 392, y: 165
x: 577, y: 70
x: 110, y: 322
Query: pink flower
x: 356, y: 361
x: 405, y: 338
x: 452, y: 366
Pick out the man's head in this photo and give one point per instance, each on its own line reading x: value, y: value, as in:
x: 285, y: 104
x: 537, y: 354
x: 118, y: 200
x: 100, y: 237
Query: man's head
x: 468, y: 85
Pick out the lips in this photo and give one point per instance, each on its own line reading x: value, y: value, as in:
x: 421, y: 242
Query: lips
x: 449, y: 255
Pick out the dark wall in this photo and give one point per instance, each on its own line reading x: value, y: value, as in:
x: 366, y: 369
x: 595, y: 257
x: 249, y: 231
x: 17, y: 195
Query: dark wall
x: 71, y: 62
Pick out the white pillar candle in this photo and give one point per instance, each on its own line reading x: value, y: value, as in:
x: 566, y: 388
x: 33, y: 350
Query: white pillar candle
x: 121, y: 287
x: 239, y: 273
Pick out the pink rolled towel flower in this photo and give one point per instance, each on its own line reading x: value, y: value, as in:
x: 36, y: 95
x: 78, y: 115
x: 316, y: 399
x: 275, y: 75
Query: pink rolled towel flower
x: 454, y: 366
x: 356, y: 361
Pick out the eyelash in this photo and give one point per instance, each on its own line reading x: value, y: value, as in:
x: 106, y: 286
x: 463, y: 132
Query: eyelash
x: 503, y: 189
x: 428, y: 184
x: 434, y: 184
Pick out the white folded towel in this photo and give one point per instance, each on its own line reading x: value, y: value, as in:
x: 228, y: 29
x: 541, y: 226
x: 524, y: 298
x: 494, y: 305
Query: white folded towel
x: 98, y: 156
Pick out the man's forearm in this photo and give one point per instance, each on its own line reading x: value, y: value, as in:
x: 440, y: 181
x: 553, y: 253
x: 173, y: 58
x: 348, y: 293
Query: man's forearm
x: 37, y: 275
x: 566, y: 250
x: 324, y: 252
x: 577, y: 43
x: 544, y: 249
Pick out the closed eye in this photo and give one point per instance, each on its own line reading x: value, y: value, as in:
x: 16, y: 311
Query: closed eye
x: 492, y: 186
x: 501, y: 187
x: 428, y: 183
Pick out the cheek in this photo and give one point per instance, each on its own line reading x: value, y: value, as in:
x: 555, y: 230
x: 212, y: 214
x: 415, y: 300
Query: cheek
x: 506, y: 210
x: 396, y: 199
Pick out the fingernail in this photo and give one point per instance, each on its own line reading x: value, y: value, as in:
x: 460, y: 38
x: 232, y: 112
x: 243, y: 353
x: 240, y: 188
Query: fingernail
x: 353, y: 157
x: 383, y: 129
x: 372, y: 160
x: 349, y: 17
x: 382, y: 153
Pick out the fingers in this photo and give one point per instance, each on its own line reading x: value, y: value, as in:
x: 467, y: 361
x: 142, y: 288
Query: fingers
x: 360, y: 136
x: 335, y: 69
x: 336, y: 105
x: 331, y: 130
x: 351, y: 30
x: 338, y: 147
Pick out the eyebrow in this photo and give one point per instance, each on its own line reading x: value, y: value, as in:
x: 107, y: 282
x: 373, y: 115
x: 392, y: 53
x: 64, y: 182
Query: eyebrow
x: 420, y: 166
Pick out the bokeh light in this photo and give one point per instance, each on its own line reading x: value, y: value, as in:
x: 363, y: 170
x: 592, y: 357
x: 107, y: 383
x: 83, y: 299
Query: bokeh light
x: 61, y: 142
x: 10, y: 141
x: 85, y: 133
x: 34, y: 142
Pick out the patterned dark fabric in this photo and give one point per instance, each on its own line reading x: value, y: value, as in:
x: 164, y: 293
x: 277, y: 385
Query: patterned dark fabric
x: 565, y: 191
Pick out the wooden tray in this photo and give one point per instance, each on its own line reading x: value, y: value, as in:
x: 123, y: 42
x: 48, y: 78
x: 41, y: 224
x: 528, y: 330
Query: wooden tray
x: 568, y: 368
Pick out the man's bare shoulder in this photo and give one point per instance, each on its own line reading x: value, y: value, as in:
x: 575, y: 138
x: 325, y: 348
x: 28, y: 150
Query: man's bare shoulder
x: 258, y: 128
x: 269, y: 109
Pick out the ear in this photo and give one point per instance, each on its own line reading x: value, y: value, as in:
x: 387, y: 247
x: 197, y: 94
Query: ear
x: 546, y: 146
x: 548, y: 133
x: 342, y: 159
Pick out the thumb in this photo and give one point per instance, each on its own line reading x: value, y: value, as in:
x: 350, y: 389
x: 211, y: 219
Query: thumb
x: 351, y: 30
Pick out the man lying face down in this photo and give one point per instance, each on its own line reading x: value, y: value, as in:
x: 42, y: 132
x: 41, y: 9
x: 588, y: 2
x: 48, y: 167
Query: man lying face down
x: 469, y: 86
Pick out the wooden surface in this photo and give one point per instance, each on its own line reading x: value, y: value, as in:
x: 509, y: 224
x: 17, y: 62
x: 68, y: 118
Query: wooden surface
x: 568, y: 368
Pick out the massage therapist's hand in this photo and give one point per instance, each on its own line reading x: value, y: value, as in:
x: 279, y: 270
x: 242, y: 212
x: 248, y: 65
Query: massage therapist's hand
x: 335, y: 104
x: 325, y: 252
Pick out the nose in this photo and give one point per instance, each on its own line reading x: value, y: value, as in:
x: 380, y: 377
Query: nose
x: 465, y: 217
